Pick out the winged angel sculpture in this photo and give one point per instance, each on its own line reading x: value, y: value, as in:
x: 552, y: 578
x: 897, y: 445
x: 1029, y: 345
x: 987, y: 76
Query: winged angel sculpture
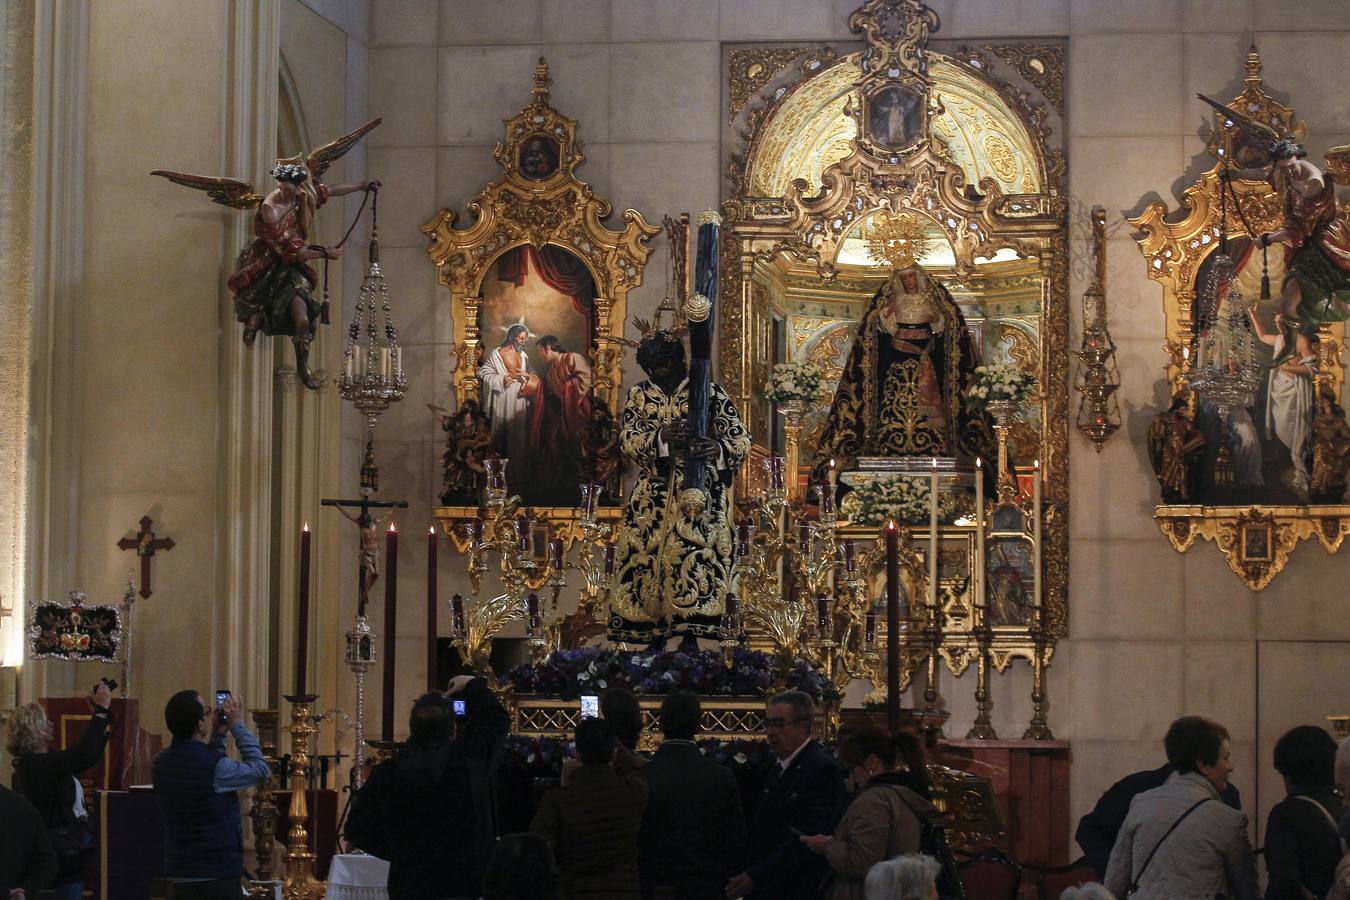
x: 1317, y: 280
x: 273, y: 282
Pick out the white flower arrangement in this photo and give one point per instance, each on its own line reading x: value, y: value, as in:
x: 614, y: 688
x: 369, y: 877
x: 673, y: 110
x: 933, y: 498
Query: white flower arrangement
x: 900, y: 497
x: 795, y: 381
x: 1000, y: 382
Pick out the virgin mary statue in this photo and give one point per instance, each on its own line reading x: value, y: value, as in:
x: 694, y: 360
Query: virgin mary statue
x: 907, y: 372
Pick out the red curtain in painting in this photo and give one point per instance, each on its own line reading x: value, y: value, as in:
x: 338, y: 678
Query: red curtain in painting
x: 561, y: 270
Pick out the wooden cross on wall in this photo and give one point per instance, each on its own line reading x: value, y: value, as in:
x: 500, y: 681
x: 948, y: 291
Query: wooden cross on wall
x: 145, y: 544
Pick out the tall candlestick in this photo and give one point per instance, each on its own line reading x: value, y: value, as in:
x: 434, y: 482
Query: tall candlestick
x: 431, y: 608
x: 933, y: 538
x: 302, y: 636
x: 1036, y: 537
x: 390, y: 623
x: 980, y: 595
x: 892, y: 627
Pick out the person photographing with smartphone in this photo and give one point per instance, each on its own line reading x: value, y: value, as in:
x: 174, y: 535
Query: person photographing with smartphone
x: 50, y: 780
x: 198, y: 786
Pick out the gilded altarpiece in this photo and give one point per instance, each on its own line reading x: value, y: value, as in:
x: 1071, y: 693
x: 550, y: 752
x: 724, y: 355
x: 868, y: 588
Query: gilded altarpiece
x: 1257, y: 532
x: 538, y: 215
x: 967, y: 136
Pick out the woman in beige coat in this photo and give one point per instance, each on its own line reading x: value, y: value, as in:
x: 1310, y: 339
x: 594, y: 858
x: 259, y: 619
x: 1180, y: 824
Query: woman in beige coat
x: 884, y: 820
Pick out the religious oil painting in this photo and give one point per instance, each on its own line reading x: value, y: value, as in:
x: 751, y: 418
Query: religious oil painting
x: 1010, y: 581
x: 1287, y: 444
x: 81, y: 633
x: 538, y: 157
x: 1256, y: 543
x: 894, y: 117
x: 537, y: 325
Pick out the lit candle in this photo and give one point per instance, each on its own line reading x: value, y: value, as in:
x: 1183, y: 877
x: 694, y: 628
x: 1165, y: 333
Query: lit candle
x: 1036, y: 536
x: 980, y: 595
x: 892, y: 627
x: 302, y: 636
x: 390, y: 628
x: 609, y: 557
x: 933, y: 537
x: 457, y: 613
x: 431, y: 608
x: 555, y: 548
x: 832, y: 478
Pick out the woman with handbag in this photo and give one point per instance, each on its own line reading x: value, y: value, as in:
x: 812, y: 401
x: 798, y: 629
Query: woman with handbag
x: 887, y: 814
x: 49, y: 779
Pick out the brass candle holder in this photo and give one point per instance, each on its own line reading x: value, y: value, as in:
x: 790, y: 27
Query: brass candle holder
x: 300, y: 882
x: 983, y: 728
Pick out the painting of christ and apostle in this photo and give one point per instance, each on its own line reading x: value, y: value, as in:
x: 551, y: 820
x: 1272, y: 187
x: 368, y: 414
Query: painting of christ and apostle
x: 1291, y: 445
x: 537, y: 323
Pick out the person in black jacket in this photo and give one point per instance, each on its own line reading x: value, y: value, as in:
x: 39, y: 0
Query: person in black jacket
x: 431, y: 810
x: 49, y: 778
x: 1098, y: 829
x: 27, y: 861
x: 693, y: 830
x: 1303, y: 842
x: 803, y: 793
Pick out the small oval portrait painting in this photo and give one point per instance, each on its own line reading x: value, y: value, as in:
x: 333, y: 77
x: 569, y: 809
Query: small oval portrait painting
x: 538, y: 157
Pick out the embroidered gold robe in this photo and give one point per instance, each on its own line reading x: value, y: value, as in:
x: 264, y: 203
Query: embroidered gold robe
x: 672, y: 573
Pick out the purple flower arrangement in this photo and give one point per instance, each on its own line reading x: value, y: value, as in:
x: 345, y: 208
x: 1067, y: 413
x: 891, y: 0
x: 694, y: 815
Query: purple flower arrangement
x: 567, y: 674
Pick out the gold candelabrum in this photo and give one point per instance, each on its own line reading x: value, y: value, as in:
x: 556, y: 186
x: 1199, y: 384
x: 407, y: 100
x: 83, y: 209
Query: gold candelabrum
x: 300, y: 882
x: 507, y: 534
x: 263, y: 813
x: 803, y: 587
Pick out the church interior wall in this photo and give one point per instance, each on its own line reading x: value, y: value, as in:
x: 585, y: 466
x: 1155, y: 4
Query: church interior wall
x: 1153, y: 634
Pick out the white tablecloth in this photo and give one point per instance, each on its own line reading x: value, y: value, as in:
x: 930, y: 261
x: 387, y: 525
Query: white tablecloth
x: 356, y: 876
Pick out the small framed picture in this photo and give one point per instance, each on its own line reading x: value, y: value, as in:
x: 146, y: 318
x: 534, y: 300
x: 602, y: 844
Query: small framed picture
x: 1256, y: 543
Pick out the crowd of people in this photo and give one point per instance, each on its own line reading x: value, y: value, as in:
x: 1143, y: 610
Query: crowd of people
x: 856, y: 824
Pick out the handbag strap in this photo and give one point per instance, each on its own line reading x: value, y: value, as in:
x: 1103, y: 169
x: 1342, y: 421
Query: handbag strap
x: 1335, y: 829
x: 1134, y: 885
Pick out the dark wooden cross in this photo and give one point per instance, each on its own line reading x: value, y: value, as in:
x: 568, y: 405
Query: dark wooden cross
x: 145, y: 544
x: 364, y: 522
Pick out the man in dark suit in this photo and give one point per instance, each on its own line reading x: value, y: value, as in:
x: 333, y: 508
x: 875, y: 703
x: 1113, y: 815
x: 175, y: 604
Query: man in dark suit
x: 693, y: 832
x: 1097, y: 831
x: 803, y: 793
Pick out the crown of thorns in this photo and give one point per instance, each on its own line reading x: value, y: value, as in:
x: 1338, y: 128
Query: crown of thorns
x: 289, y: 172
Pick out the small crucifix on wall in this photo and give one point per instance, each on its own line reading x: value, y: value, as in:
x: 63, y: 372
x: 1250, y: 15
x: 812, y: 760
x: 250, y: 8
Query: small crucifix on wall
x: 145, y: 544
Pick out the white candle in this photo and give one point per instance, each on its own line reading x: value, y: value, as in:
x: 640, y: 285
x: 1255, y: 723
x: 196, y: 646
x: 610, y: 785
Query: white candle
x: 398, y: 359
x: 980, y: 598
x: 1036, y: 535
x: 385, y: 370
x: 833, y: 477
x: 933, y: 536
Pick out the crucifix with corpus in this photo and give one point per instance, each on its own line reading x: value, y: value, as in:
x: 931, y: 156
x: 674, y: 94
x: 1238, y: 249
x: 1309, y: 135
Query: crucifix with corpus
x: 369, y: 526
x: 145, y: 544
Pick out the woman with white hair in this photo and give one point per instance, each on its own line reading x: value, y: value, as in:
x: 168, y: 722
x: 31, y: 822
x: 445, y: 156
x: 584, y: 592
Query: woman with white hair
x: 1090, y: 891
x: 909, y: 877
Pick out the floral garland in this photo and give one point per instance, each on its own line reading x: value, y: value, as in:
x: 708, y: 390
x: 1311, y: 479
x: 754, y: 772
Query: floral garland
x: 568, y: 674
x: 795, y: 381
x: 999, y: 382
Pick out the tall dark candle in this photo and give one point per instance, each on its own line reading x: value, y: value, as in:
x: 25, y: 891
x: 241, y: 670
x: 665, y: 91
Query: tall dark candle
x: 892, y: 627
x: 523, y: 532
x: 870, y: 627
x: 609, y: 557
x: 744, y: 530
x: 302, y: 632
x: 390, y: 629
x: 457, y: 613
x: 850, y: 556
x: 555, y: 549
x: 804, y: 538
x: 431, y: 609
x: 532, y: 609
x: 823, y: 614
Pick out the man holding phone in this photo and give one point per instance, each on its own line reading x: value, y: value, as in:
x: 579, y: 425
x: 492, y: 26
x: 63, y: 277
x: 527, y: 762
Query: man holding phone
x: 197, y: 787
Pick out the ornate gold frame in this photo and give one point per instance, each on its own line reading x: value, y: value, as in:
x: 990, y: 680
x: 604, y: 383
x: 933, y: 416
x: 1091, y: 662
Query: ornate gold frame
x: 1173, y: 252
x: 514, y: 210
x: 924, y: 177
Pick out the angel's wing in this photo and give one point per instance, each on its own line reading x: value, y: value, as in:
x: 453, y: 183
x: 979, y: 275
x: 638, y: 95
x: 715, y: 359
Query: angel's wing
x: 1338, y: 163
x: 225, y: 191
x: 1259, y: 130
x: 319, y: 159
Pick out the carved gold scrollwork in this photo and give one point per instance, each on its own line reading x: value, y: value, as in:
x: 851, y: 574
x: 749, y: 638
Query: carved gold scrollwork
x: 752, y: 69
x: 1040, y: 64
x: 1256, y: 541
x: 545, y: 205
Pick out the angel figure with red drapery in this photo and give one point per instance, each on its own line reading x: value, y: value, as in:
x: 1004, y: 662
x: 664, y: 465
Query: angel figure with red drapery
x: 273, y: 283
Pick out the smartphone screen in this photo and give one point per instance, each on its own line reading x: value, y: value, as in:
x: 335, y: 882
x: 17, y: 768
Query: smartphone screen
x: 460, y: 708
x: 221, y: 697
x: 590, y: 707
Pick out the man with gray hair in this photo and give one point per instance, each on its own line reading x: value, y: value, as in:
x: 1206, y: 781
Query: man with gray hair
x: 909, y: 877
x: 802, y: 793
